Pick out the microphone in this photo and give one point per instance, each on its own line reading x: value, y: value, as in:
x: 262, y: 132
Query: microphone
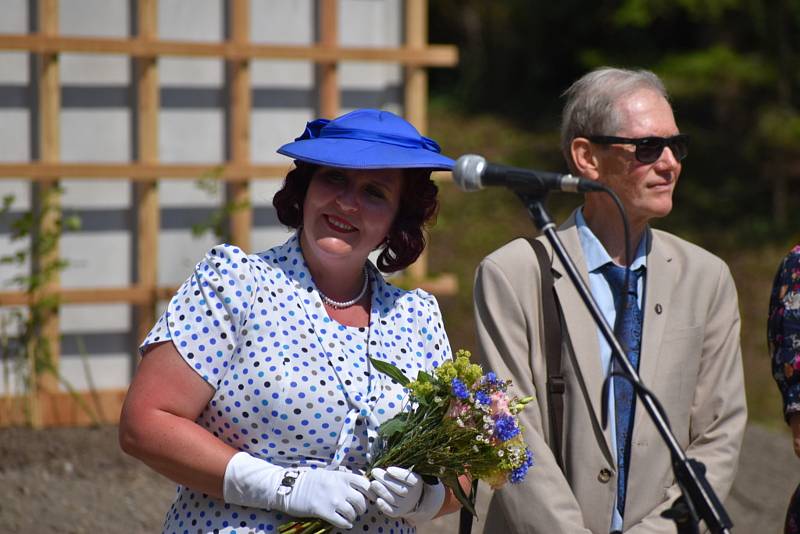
x: 472, y: 172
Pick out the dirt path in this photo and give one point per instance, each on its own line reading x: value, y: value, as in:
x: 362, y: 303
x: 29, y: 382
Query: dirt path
x: 77, y: 481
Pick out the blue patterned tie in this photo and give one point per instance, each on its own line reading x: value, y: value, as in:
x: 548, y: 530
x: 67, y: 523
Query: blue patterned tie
x: 628, y: 329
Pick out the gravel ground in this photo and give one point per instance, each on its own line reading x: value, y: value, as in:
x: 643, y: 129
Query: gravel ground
x: 76, y: 480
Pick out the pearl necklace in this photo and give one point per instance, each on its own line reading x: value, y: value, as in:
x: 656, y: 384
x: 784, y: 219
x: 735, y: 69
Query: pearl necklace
x: 346, y: 304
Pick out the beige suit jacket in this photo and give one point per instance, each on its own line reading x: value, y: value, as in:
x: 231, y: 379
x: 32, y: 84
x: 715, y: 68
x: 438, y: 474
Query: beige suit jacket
x: 690, y: 359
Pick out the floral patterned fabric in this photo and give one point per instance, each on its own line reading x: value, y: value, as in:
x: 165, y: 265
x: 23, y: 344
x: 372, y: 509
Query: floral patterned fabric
x: 792, y: 525
x: 783, y: 335
x: 783, y: 331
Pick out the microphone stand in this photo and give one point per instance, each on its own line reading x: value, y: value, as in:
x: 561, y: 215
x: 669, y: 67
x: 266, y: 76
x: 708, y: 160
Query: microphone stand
x: 698, y: 500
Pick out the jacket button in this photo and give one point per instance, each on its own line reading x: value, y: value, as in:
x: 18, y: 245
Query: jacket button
x: 604, y: 475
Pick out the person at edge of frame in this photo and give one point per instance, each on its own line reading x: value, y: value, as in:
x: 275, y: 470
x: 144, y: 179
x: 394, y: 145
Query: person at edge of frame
x: 783, y: 338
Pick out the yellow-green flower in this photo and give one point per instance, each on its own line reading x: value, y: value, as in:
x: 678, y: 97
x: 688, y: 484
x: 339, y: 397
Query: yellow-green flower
x: 420, y: 389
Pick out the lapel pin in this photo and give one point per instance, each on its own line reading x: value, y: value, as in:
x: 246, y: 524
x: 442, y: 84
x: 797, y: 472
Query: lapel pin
x: 659, y: 309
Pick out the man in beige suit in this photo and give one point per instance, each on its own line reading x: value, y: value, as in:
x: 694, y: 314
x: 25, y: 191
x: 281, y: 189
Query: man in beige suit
x: 688, y: 350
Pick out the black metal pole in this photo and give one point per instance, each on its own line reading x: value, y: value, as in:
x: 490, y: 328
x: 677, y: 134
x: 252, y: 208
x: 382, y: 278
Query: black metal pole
x: 465, y: 516
x: 689, y: 474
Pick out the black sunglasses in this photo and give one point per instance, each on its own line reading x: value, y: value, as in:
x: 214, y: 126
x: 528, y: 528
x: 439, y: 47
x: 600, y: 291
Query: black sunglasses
x: 648, y: 149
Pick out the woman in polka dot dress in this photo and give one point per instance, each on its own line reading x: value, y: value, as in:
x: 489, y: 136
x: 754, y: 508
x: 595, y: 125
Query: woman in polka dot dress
x: 255, y: 392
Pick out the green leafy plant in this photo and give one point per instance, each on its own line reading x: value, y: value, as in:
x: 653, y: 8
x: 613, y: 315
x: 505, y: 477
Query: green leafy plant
x: 25, y: 349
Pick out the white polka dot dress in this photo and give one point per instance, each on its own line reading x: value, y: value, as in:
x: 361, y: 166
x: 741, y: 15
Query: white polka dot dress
x: 292, y: 386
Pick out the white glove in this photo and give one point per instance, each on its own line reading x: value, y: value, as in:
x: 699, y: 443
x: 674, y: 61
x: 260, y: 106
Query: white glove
x: 335, y: 496
x: 403, y: 493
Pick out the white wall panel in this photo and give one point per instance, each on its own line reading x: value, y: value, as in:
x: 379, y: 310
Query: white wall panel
x: 268, y: 237
x: 95, y: 135
x: 282, y: 73
x: 20, y: 190
x: 15, y: 16
x: 96, y: 18
x: 179, y: 254
x: 370, y: 23
x: 191, y: 20
x: 107, y: 371
x: 181, y: 193
x: 262, y: 191
x: 288, y: 22
x: 369, y: 75
x: 13, y: 67
x: 95, y: 318
x: 96, y: 259
x: 191, y: 136
x: 14, y: 135
x: 94, y: 69
x: 104, y: 194
x: 271, y: 129
x: 191, y: 72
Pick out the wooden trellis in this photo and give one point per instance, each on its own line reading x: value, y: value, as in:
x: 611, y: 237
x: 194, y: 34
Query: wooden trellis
x: 55, y: 407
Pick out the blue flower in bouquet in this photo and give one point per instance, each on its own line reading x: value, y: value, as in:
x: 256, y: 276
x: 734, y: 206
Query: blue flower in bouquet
x: 490, y: 379
x: 459, y: 389
x: 482, y: 397
x: 505, y: 427
x: 518, y: 474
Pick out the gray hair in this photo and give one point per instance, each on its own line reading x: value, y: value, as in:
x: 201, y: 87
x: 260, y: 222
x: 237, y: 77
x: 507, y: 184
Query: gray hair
x: 591, y: 107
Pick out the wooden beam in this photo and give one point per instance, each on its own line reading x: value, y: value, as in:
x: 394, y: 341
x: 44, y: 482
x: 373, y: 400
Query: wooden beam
x: 49, y: 200
x: 416, y: 95
x: 138, y: 171
x: 148, y: 214
x: 65, y: 409
x: 430, y: 56
x: 136, y: 294
x: 238, y: 194
x: 329, y: 95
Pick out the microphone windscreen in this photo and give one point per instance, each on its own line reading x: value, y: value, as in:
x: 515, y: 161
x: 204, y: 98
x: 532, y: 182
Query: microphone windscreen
x: 467, y: 172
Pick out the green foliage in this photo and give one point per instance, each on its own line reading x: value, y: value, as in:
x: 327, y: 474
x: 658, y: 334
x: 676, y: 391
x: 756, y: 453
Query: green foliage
x: 731, y: 66
x: 23, y: 346
x: 643, y: 13
x: 391, y: 371
x: 717, y: 71
x: 781, y: 128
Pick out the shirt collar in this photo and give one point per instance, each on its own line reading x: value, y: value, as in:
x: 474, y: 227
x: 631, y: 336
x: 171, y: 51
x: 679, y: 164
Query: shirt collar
x: 596, y: 254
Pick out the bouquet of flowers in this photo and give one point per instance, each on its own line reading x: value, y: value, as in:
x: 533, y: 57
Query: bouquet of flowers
x: 458, y: 422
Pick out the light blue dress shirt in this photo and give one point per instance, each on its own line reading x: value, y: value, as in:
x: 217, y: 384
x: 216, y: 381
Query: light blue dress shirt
x: 596, y: 256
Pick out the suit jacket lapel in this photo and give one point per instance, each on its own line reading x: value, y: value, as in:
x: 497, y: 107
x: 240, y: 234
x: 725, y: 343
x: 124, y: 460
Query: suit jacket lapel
x: 579, y: 322
x: 659, y: 284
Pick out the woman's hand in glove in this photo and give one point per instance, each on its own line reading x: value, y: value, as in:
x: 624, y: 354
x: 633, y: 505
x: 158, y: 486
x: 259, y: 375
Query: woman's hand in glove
x: 403, y: 493
x: 335, y: 496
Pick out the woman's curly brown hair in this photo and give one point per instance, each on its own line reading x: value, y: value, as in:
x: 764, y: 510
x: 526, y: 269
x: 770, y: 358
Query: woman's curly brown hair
x: 406, y: 238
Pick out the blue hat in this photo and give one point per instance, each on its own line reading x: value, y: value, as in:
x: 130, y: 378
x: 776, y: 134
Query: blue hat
x: 366, y: 139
